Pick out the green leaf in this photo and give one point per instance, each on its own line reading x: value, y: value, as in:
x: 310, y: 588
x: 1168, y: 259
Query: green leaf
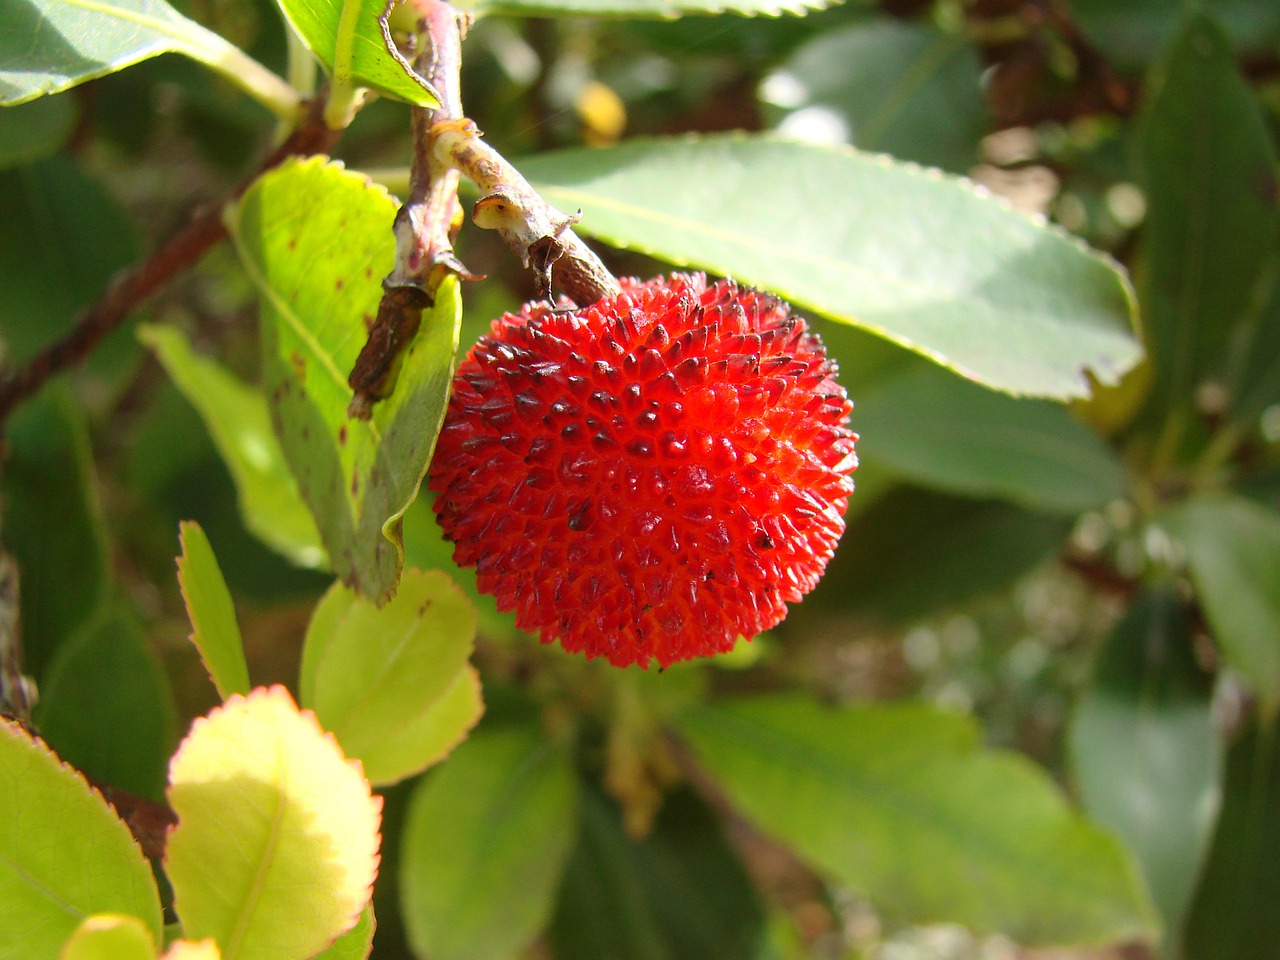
x: 53, y: 523
x: 634, y: 9
x: 1233, y: 916
x: 64, y: 855
x: 1145, y: 752
x: 392, y: 683
x: 318, y: 295
x: 35, y: 130
x: 426, y: 548
x: 347, y: 40
x: 1233, y: 552
x: 679, y: 892
x: 62, y: 238
x: 50, y: 45
x: 1253, y: 379
x: 901, y: 802
x: 356, y: 943
x: 919, y: 258
x: 1207, y: 165
x: 105, y: 706
x: 276, y: 846
x: 943, y: 432
x: 239, y: 422
x: 486, y: 838
x: 214, y: 630
x: 110, y: 937
x: 916, y: 553
x: 1131, y: 33
x: 899, y: 88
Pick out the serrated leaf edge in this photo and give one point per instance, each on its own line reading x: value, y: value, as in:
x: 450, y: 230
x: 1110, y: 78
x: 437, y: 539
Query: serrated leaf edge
x: 29, y: 740
x: 280, y: 694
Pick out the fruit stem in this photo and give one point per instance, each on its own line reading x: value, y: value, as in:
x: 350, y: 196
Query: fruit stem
x: 447, y: 145
x: 539, y: 234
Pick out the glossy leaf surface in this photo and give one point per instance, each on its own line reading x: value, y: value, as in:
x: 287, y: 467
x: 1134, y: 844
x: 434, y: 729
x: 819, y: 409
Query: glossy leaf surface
x: 214, y: 629
x: 1145, y: 752
x: 347, y: 40
x: 921, y: 259
x: 64, y: 854
x: 50, y: 45
x: 902, y: 803
x: 486, y: 839
x: 392, y: 683
x: 318, y: 297
x: 943, y: 432
x: 239, y: 422
x: 277, y: 839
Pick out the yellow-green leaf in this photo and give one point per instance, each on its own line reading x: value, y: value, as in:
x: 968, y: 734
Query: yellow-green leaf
x: 214, y: 630
x: 316, y: 240
x: 356, y: 943
x: 347, y: 39
x: 276, y: 847
x: 239, y: 423
x: 110, y: 937
x: 392, y: 682
x: 64, y: 855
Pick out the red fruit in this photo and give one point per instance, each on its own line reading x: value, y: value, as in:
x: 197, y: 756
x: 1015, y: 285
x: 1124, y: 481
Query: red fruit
x: 651, y: 476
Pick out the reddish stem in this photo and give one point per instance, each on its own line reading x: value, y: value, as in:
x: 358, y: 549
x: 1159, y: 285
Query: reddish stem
x: 135, y: 285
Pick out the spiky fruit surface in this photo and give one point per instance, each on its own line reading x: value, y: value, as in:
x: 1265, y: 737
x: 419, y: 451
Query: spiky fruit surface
x: 649, y: 477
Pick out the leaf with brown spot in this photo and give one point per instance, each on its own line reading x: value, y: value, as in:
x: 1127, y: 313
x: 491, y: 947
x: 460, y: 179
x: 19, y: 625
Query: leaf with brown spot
x: 300, y: 230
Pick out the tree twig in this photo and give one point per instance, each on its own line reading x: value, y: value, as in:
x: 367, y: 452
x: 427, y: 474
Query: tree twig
x: 132, y: 287
x: 17, y: 691
x: 427, y: 221
x: 445, y: 144
x: 537, y: 232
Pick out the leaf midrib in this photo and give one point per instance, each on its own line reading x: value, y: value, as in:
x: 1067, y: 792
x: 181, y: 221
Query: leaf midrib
x: 936, y: 820
x: 270, y: 847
